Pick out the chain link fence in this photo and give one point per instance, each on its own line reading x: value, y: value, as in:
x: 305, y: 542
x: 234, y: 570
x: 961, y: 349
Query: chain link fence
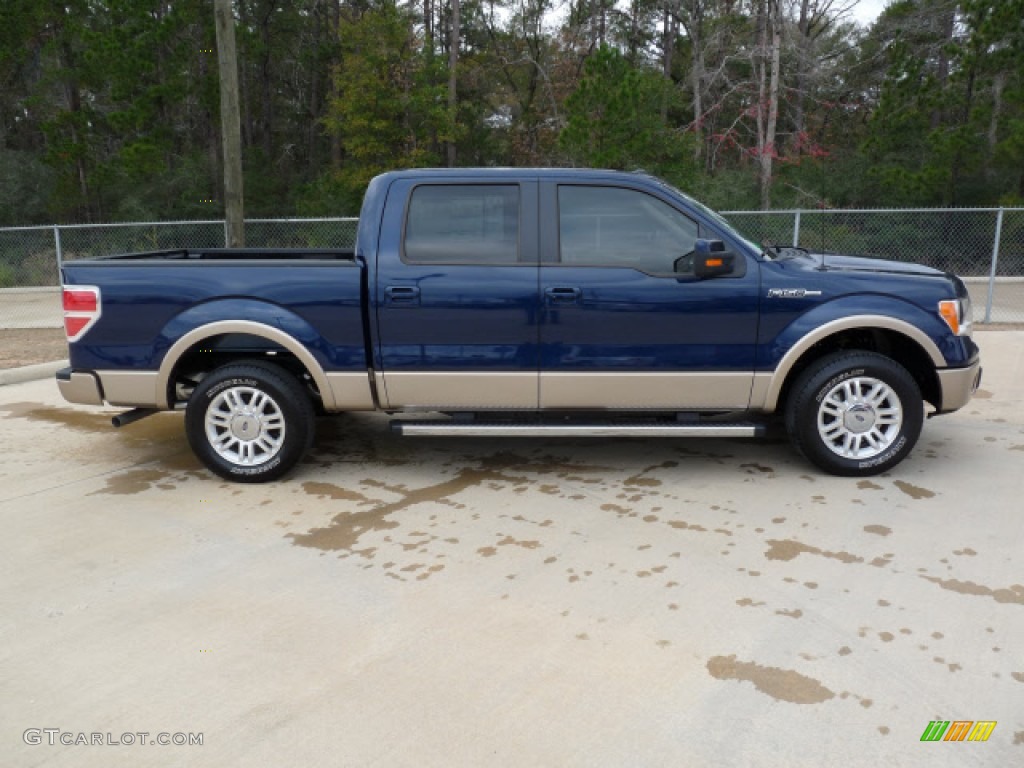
x: 984, y: 246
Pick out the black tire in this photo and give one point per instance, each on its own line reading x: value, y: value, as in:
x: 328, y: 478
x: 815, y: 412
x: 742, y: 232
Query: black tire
x: 257, y: 398
x: 855, y: 414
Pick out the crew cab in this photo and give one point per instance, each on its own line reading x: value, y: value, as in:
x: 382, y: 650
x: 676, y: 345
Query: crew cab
x: 525, y: 302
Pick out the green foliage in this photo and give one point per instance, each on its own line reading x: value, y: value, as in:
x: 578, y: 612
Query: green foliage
x: 7, y: 276
x: 946, y: 128
x: 391, y: 110
x: 109, y: 109
x: 613, y: 120
x: 26, y: 185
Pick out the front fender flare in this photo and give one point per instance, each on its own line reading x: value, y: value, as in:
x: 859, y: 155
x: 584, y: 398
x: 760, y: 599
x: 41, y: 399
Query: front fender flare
x: 768, y: 386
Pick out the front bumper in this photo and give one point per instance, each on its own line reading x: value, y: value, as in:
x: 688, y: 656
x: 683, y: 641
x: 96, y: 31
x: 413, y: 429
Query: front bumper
x: 957, y: 385
x: 79, y: 387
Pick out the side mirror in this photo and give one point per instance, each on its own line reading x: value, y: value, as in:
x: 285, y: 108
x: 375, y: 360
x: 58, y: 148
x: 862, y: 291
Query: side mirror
x: 712, y: 260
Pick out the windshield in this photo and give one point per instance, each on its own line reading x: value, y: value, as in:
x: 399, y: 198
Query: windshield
x: 713, y: 215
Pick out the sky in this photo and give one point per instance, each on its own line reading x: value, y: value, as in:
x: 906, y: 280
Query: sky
x: 867, y: 11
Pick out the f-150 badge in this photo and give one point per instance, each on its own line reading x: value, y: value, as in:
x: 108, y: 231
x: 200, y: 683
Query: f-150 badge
x: 791, y: 293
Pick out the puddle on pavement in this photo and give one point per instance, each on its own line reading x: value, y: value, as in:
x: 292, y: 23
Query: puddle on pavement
x: 780, y: 684
x: 346, y: 528
x: 135, y: 481
x: 1012, y: 594
x: 878, y: 530
x: 789, y: 549
x: 913, y: 491
x: 158, y: 428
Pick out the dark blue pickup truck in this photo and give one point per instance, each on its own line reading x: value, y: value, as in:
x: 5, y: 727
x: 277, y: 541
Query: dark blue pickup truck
x: 523, y: 302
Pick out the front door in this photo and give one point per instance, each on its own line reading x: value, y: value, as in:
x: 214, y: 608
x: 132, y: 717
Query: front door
x: 624, y: 325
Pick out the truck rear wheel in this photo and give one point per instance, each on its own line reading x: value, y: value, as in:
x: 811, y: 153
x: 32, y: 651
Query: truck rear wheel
x: 855, y: 413
x: 249, y: 422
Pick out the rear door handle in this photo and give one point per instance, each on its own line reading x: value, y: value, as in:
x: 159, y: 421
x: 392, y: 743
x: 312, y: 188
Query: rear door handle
x: 562, y: 295
x: 402, y: 294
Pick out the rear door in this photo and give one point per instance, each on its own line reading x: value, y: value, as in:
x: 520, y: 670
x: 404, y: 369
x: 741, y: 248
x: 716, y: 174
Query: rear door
x: 622, y: 328
x: 456, y: 295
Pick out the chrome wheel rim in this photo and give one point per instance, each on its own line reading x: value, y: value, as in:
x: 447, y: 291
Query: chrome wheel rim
x: 860, y: 418
x: 245, y: 426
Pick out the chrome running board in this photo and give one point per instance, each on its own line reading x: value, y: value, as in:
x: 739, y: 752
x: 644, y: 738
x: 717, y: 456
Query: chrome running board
x: 512, y: 429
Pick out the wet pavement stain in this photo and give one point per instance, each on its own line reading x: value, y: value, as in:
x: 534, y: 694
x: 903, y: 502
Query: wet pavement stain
x: 641, y: 482
x: 133, y: 481
x: 509, y: 541
x: 878, y: 530
x: 780, y: 684
x: 867, y: 485
x: 161, y: 427
x: 346, y: 528
x: 1012, y: 594
x: 1018, y: 676
x: 796, y: 613
x: 789, y: 549
x: 82, y: 421
x: 913, y: 491
x: 335, y: 492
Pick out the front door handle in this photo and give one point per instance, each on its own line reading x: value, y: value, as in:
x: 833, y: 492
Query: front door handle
x: 402, y: 294
x: 563, y: 295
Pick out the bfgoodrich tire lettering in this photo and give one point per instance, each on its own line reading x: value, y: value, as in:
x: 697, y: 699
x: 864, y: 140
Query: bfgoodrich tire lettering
x: 249, y: 422
x: 855, y: 413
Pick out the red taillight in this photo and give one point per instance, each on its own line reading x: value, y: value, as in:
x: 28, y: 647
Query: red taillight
x: 80, y: 301
x: 81, y: 310
x: 74, y: 325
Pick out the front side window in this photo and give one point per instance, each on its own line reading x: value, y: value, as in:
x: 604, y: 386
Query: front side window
x: 463, y: 224
x: 615, y: 227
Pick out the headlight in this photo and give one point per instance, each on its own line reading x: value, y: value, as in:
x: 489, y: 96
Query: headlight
x: 958, y: 315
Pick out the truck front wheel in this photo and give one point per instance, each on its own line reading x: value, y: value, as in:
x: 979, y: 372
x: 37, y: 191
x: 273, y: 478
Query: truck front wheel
x: 249, y: 422
x: 855, y: 413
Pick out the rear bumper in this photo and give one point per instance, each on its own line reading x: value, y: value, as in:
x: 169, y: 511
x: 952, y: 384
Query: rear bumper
x: 79, y: 387
x: 136, y: 389
x: 958, y: 385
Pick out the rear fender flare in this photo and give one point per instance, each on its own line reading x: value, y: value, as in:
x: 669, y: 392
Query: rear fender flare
x: 252, y: 328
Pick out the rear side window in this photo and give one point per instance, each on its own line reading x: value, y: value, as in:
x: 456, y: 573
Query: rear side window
x: 616, y: 227
x: 463, y: 224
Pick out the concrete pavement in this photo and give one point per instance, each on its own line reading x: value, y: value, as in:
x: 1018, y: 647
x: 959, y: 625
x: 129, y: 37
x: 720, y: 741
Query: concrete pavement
x: 455, y: 602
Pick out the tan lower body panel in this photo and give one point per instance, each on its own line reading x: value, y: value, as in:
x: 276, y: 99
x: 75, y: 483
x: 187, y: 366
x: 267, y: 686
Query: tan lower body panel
x: 351, y: 391
x: 671, y: 391
x: 759, y: 392
x: 958, y: 385
x: 452, y: 389
x: 130, y: 388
